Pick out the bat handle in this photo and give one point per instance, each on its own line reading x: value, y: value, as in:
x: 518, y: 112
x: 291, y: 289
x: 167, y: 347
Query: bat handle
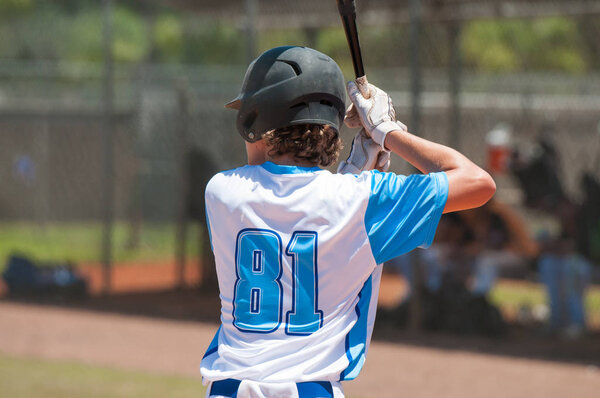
x: 363, y: 86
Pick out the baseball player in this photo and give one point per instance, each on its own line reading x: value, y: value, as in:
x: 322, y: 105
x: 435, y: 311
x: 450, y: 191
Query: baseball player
x: 299, y: 249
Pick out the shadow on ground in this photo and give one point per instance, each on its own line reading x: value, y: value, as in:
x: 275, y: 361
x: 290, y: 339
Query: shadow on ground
x: 186, y: 304
x: 203, y: 306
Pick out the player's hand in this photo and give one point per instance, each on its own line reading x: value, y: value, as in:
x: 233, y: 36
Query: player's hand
x: 376, y: 113
x: 365, y: 155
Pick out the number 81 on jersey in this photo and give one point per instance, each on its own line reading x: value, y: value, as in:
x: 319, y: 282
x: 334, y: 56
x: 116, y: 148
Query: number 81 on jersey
x: 258, y: 292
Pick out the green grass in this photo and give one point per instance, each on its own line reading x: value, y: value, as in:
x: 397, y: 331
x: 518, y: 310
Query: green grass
x: 81, y: 242
x: 26, y: 378
x: 511, y: 296
x: 515, y: 295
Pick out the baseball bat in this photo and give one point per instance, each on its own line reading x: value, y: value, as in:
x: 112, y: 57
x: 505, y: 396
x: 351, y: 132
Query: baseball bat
x: 347, y: 9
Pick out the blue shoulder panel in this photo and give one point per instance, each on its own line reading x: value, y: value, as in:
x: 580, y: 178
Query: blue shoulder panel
x: 403, y: 212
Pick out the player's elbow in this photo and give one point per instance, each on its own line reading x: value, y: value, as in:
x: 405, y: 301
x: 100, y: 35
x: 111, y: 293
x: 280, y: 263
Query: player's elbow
x: 484, y: 187
x: 469, y: 187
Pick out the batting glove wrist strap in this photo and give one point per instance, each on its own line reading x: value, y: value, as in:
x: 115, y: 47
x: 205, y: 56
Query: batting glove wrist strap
x: 365, y: 155
x: 381, y: 131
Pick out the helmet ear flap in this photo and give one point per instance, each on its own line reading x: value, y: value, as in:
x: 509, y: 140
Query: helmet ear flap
x: 247, y: 125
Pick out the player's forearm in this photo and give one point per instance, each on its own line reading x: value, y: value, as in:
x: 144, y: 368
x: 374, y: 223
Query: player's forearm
x: 469, y: 185
x: 426, y: 156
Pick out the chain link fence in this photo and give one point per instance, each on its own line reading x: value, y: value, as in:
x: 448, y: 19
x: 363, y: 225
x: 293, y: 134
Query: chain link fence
x: 51, y: 123
x: 171, y: 132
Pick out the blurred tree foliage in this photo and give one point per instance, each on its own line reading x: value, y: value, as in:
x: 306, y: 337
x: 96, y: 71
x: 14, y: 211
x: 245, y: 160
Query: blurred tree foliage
x: 589, y: 29
x: 28, y: 35
x: 208, y: 41
x: 545, y: 44
x: 167, y: 38
x: 72, y: 31
x: 382, y: 46
x: 130, y: 41
x: 282, y: 37
x: 195, y: 40
x: 144, y: 32
x: 9, y: 8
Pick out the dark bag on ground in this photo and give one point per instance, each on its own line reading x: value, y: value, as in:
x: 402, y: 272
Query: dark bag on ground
x: 26, y: 279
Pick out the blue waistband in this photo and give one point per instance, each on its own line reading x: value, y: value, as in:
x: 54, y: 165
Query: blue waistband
x: 309, y: 389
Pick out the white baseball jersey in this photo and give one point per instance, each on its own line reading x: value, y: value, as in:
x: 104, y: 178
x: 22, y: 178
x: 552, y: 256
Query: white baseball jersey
x: 297, y: 252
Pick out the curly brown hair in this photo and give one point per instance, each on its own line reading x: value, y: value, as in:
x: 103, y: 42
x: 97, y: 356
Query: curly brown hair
x: 316, y: 143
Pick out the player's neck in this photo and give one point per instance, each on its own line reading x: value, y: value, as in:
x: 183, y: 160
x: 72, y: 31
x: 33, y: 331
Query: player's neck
x: 289, y: 159
x: 258, y: 154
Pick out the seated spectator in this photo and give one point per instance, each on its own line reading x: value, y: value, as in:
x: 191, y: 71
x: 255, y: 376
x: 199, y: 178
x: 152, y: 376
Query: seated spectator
x: 502, y: 245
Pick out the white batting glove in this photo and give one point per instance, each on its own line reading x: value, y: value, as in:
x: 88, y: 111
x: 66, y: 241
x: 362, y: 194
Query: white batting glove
x: 366, y: 154
x: 376, y: 113
x: 352, y: 120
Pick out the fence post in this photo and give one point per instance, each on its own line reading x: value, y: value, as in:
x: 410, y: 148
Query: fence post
x: 108, y: 145
x: 454, y: 80
x: 41, y: 186
x: 182, y: 182
x: 415, y: 119
x: 415, y: 65
x: 251, y: 13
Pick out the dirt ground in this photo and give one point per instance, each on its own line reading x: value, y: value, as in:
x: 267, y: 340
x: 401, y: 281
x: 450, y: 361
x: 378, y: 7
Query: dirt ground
x: 177, y: 326
x: 392, y: 369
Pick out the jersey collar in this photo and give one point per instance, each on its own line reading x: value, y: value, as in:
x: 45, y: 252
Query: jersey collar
x: 283, y: 169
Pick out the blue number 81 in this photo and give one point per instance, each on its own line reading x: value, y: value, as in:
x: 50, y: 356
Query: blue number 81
x: 258, y: 293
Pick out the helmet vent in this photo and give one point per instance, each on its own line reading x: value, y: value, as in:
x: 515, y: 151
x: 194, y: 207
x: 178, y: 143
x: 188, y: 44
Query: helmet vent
x: 327, y: 103
x: 300, y: 105
x: 294, y: 66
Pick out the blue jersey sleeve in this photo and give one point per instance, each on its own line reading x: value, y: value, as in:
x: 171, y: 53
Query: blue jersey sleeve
x: 403, y: 212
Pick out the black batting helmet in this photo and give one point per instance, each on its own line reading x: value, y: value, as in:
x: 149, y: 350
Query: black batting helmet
x: 288, y: 86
